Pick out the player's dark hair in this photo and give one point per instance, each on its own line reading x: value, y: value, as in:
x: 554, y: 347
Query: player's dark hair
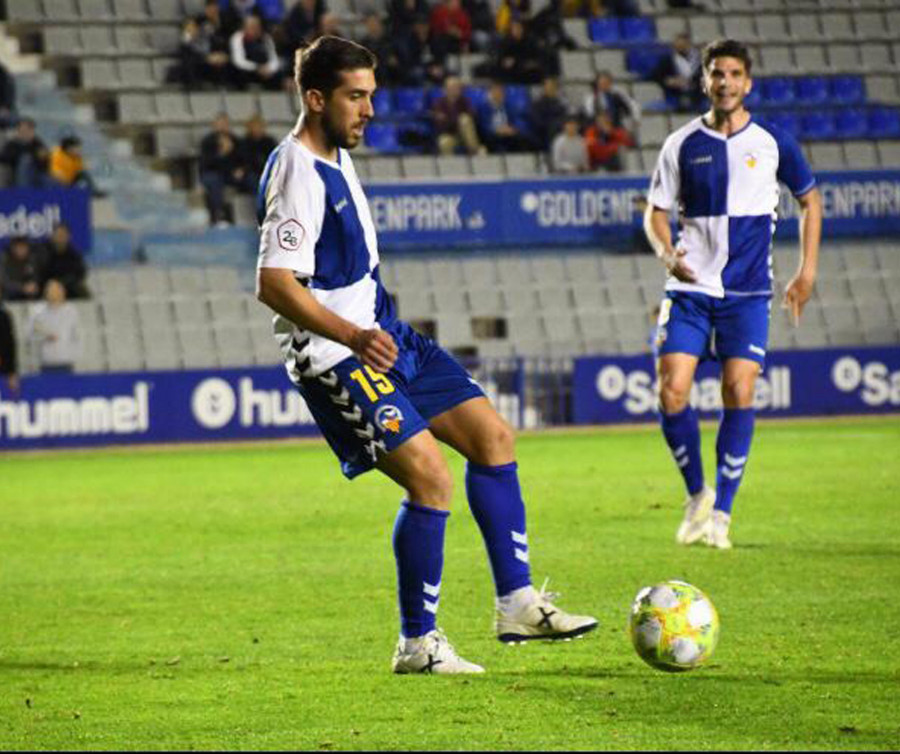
x: 319, y: 66
x: 726, y: 48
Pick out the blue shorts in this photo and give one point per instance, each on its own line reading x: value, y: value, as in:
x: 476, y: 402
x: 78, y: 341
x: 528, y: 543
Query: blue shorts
x: 364, y: 414
x: 734, y: 327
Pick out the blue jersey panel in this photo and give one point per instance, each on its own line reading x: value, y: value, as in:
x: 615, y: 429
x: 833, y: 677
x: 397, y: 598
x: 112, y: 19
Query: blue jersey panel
x: 793, y: 169
x: 748, y: 269
x: 703, y: 165
x: 385, y: 311
x: 342, y: 257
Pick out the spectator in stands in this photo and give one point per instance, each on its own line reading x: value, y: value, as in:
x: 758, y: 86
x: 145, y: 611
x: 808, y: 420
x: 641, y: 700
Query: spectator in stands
x: 451, y: 26
x: 54, y: 331
x: 423, y: 62
x: 499, y: 128
x: 7, y: 98
x: 67, y: 166
x: 512, y: 10
x: 9, y: 351
x: 202, y: 54
x: 253, y: 56
x: 546, y: 28
x: 607, y: 144
x: 27, y: 157
x: 301, y: 25
x: 606, y: 97
x: 20, y: 271
x: 569, y: 151
x: 519, y: 57
x: 547, y: 113
x: 679, y: 75
x: 620, y: 8
x: 390, y: 68
x: 234, y: 13
x: 483, y: 24
x: 61, y: 261
x: 454, y: 120
x: 254, y: 150
x: 220, y: 168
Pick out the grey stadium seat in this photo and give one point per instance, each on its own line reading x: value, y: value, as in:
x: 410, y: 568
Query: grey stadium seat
x: 844, y: 58
x: 453, y: 166
x: 450, y: 300
x: 446, y: 272
x: 173, y: 107
x: 100, y: 73
x: 520, y: 298
x: 130, y: 10
x: 187, y: 280
x: 150, y: 281
x: 61, y: 40
x: 61, y: 10
x: 98, y: 40
x: 485, y: 301
x: 136, y: 73
x: 577, y: 65
x: 860, y: 154
x: 419, y: 166
x: 810, y: 58
x: 804, y: 27
x: 514, y: 270
x: 165, y: 10
x: 836, y: 26
x: 772, y: 28
x: 480, y: 271
x: 95, y: 10
x: 136, y: 107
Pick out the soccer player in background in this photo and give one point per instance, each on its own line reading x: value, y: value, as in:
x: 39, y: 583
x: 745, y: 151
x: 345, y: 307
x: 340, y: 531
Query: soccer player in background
x: 721, y: 171
x: 381, y: 393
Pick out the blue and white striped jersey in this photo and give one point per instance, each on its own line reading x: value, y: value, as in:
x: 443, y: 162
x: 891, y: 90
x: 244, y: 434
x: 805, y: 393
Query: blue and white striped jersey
x: 314, y: 220
x: 726, y: 191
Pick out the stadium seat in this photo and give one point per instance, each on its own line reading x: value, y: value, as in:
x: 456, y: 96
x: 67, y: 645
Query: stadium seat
x: 884, y: 123
x: 771, y: 27
x: 637, y: 29
x: 419, y: 167
x: 604, y: 30
x: 450, y: 300
x: 850, y: 123
x: 778, y: 91
x: 518, y: 99
x: 24, y: 11
x: 785, y: 120
x: 136, y: 73
x: 643, y: 60
x: 165, y: 10
x: 577, y: 65
x: 817, y: 125
x: 669, y: 27
x: 409, y: 100
x: 861, y: 155
x: 811, y: 90
x: 826, y: 156
x: 843, y: 58
x: 382, y: 137
x: 61, y: 10
x: 453, y: 166
x: 382, y: 103
x: 485, y: 301
x: 127, y: 10
x: 847, y: 89
x: 810, y: 58
x: 803, y: 27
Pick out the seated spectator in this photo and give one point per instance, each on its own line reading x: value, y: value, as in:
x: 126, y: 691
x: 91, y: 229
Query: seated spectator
x: 54, y: 331
x: 483, y: 24
x: 620, y: 8
x: 9, y: 350
x: 679, y: 75
x: 499, y: 129
x: 61, y: 261
x: 301, y: 25
x: 202, y: 54
x: 390, y: 70
x: 234, y: 13
x: 7, y: 98
x: 454, y: 120
x: 220, y: 167
x: 569, y: 151
x: 253, y: 56
x: 27, y: 157
x: 607, y: 144
x: 547, y: 113
x: 67, y: 166
x: 451, y: 26
x: 546, y: 28
x: 606, y: 97
x: 512, y: 10
x: 253, y: 152
x: 20, y: 271
x: 519, y: 59
x: 423, y: 62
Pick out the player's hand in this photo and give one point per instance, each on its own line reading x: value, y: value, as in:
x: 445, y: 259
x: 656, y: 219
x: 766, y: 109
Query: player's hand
x: 375, y: 348
x: 796, y: 294
x: 676, y: 266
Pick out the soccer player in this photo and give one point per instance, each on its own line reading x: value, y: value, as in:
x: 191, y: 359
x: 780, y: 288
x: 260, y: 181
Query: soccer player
x: 722, y: 171
x: 381, y: 393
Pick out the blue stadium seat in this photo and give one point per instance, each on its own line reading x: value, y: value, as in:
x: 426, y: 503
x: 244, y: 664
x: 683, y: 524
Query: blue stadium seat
x: 409, y: 100
x: 755, y: 98
x: 643, y: 60
x: 817, y: 125
x: 884, y: 123
x: 382, y: 137
x: 518, y: 99
x: 786, y: 121
x: 604, y: 30
x: 811, y: 90
x: 847, y: 89
x: 778, y: 90
x: 476, y: 95
x: 637, y: 29
x: 851, y: 123
x: 382, y: 103
x: 432, y: 95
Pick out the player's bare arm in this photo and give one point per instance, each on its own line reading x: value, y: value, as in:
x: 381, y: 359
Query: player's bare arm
x: 659, y: 234
x: 280, y: 291
x: 800, y: 286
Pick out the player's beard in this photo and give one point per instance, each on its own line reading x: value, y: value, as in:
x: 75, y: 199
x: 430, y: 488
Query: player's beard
x: 335, y: 136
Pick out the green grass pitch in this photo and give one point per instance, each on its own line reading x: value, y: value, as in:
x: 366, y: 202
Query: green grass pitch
x: 243, y: 598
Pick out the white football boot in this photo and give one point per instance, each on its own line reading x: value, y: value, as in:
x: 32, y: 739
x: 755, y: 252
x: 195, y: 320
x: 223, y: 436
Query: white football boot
x: 717, y: 536
x: 431, y: 653
x: 696, y: 522
x: 528, y: 614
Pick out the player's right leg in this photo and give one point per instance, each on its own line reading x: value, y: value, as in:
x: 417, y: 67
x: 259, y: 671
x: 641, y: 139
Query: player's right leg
x: 683, y: 337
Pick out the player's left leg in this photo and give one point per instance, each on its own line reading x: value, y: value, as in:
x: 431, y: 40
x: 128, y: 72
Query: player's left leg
x: 478, y: 432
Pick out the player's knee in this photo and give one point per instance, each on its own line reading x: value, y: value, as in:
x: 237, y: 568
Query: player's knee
x: 673, y: 395
x: 737, y: 392
x: 433, y: 484
x: 496, y: 444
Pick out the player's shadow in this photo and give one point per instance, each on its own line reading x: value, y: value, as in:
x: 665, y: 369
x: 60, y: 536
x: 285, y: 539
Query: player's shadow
x: 713, y: 674
x: 30, y: 666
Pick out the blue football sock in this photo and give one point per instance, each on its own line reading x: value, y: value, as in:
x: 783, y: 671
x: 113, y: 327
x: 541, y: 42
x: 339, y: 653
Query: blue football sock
x: 732, y: 449
x: 419, y: 552
x: 682, y: 433
x: 496, y: 502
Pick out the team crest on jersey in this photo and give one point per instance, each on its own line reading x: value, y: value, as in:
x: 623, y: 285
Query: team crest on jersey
x: 290, y: 235
x: 750, y: 160
x: 388, y: 418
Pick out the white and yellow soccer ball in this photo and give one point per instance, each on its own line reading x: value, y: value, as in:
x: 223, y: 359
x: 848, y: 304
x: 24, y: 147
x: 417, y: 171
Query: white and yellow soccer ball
x: 674, y: 626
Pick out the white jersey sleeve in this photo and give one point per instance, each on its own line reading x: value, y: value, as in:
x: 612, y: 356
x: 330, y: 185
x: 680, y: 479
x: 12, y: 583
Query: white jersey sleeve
x: 665, y: 185
x: 294, y: 210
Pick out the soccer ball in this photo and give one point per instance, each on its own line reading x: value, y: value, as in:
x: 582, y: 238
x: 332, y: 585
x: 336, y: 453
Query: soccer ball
x: 673, y: 626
